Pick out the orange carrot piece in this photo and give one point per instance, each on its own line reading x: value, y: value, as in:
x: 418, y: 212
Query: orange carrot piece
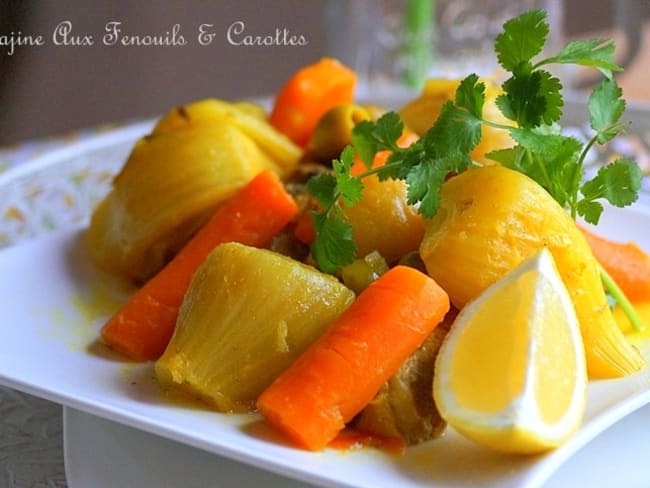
x: 142, y: 328
x: 405, y: 140
x: 626, y: 263
x: 312, y: 400
x: 308, y: 94
x: 304, y: 230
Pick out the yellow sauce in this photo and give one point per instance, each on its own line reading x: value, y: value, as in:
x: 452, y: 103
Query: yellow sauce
x: 77, y: 327
x: 639, y: 338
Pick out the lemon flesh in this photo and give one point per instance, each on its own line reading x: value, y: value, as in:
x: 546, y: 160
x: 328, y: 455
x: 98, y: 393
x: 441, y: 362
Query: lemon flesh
x: 511, y: 373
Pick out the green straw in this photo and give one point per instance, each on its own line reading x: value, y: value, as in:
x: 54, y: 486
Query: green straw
x: 418, y: 40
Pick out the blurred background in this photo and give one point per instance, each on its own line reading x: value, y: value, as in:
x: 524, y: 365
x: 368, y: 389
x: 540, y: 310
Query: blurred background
x: 48, y: 90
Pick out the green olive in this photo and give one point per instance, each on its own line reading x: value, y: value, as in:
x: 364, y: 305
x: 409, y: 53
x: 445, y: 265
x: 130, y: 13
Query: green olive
x: 363, y: 271
x: 334, y: 131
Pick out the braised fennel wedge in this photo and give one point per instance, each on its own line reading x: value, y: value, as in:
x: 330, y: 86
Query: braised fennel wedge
x: 196, y: 157
x: 246, y: 316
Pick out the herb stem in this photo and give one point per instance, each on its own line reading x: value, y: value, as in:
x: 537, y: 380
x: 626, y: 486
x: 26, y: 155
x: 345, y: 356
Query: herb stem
x: 543, y: 62
x: 581, y: 160
x: 378, y: 169
x: 589, y: 145
x: 496, y: 125
x: 622, y: 300
x: 363, y: 174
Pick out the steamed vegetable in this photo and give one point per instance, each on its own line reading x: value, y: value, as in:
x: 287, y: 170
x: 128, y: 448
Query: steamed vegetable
x: 626, y: 263
x: 334, y: 131
x: 490, y: 220
x: 206, y: 111
x: 380, y: 219
x: 363, y: 271
x: 196, y: 157
x: 142, y: 327
x: 308, y: 94
x: 344, y: 369
x: 404, y: 408
x: 247, y: 315
x: 247, y: 117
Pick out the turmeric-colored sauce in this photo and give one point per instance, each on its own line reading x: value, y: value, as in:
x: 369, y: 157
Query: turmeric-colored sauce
x: 639, y: 338
x: 350, y: 439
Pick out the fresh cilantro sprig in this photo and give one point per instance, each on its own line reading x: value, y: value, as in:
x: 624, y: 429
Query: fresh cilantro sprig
x: 532, y: 99
x: 531, y: 102
x: 334, y: 246
x: 424, y: 165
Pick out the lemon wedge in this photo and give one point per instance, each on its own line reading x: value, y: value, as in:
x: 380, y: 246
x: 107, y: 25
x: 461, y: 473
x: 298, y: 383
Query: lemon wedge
x: 511, y: 373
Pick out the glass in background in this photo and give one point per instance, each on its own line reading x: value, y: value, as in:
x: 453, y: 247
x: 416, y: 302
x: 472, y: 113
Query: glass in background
x: 394, y: 45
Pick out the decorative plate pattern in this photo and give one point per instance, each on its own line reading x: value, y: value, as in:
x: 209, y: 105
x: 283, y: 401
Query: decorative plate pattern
x: 61, y: 187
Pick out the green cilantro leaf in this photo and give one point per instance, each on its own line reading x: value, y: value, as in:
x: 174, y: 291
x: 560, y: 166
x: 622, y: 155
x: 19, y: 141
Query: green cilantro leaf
x: 522, y: 39
x: 511, y: 157
x: 532, y: 99
x: 606, y: 108
x: 470, y: 95
x: 364, y: 142
x: 595, y: 53
x: 548, y: 146
x: 399, y: 163
x: 551, y: 91
x: 590, y: 211
x: 569, y: 175
x: 334, y: 246
x: 618, y: 183
x: 521, y: 101
x: 424, y: 183
x: 455, y: 163
x: 370, y: 137
x: 455, y: 131
x: 323, y: 188
x: 350, y: 188
x: 551, y: 160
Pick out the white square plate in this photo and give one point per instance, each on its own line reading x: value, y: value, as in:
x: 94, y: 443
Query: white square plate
x: 54, y: 300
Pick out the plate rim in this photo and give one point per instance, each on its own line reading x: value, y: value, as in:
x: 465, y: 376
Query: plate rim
x: 69, y: 150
